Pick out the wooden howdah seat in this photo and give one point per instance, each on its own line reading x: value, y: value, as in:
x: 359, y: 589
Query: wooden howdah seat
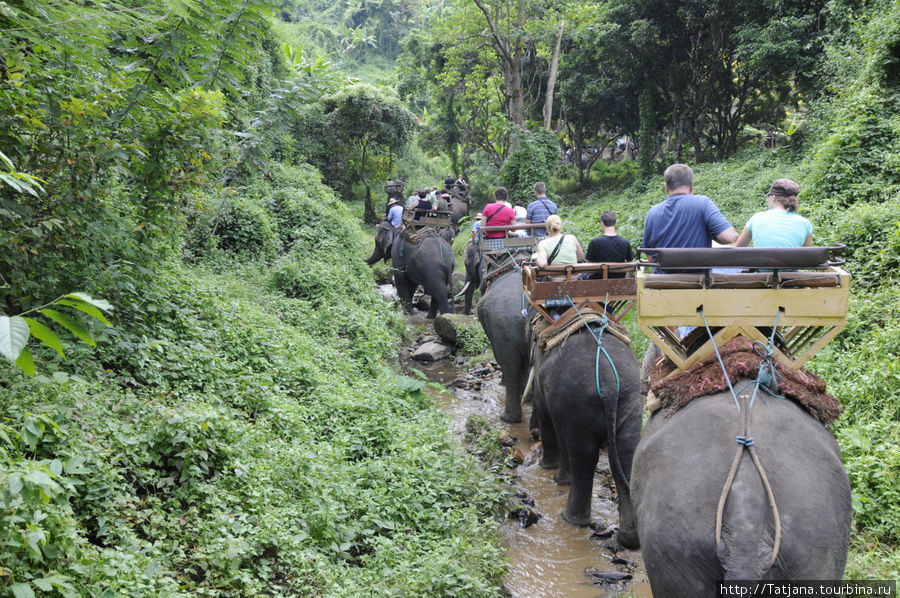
x: 499, y: 255
x: 742, y: 291
x: 436, y: 219
x: 553, y: 287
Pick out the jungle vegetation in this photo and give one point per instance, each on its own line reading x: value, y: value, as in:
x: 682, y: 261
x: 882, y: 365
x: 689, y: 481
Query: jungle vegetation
x: 210, y: 404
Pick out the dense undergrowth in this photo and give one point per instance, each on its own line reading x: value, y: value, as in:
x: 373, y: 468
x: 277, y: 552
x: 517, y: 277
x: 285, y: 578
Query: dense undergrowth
x: 240, y: 431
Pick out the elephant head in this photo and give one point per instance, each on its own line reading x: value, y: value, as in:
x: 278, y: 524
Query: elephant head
x: 384, y: 238
x: 474, y: 275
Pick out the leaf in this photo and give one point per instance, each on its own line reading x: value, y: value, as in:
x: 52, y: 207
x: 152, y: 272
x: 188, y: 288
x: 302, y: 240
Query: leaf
x: 43, y: 584
x: 86, y: 308
x: 26, y: 362
x: 22, y: 590
x: 45, y: 335
x: 14, y: 335
x: 70, y: 324
x: 98, y: 303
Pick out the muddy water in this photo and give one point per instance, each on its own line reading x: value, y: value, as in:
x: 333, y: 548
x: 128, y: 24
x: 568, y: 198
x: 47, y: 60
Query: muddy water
x: 550, y: 558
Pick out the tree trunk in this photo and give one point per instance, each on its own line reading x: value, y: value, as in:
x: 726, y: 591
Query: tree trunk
x: 551, y: 79
x: 370, y: 217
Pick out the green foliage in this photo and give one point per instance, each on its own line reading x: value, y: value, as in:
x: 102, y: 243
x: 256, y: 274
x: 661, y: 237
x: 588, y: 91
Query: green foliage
x: 239, y: 226
x: 534, y: 160
x: 367, y: 127
x: 472, y: 340
x: 16, y: 331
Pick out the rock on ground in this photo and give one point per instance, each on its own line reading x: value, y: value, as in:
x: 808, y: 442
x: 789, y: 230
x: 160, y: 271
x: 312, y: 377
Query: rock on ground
x: 448, y: 326
x: 431, y: 351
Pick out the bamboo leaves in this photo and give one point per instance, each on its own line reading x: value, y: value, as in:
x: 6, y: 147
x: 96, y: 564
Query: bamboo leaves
x: 15, y: 331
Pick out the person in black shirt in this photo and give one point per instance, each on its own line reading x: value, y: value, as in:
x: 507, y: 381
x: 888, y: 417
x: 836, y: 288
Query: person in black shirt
x: 421, y: 205
x: 609, y: 247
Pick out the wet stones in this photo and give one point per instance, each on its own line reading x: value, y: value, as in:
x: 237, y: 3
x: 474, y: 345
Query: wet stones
x: 476, y: 377
x: 525, y: 516
x: 523, y: 513
x: 607, y: 578
x: 431, y: 351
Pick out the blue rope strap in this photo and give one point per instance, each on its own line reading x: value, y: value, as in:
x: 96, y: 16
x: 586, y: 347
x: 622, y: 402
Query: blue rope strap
x: 719, y: 357
x: 515, y: 264
x: 598, y: 337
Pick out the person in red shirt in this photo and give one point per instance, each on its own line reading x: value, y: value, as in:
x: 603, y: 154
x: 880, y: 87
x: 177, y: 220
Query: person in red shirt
x: 497, y: 214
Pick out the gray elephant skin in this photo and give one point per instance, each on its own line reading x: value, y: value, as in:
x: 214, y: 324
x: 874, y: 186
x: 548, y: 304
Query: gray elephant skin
x: 474, y: 275
x: 500, y: 313
x: 678, y: 475
x: 576, y: 422
x: 430, y: 264
x: 459, y: 209
x: 384, y: 237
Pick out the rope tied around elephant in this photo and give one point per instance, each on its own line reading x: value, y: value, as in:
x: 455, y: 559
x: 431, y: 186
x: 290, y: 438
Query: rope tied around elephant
x: 417, y: 237
x: 764, y: 378
x: 598, y: 337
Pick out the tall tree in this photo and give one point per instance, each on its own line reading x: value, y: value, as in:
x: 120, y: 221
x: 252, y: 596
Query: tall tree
x: 368, y: 127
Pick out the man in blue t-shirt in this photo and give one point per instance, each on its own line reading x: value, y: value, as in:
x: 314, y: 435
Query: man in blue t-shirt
x: 685, y: 219
x: 395, y: 212
x: 540, y: 209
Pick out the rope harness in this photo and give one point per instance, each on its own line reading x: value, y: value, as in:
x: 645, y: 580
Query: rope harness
x: 767, y: 380
x: 598, y: 337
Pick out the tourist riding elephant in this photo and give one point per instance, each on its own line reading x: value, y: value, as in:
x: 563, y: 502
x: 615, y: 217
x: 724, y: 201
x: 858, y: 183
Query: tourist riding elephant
x: 500, y: 314
x: 586, y: 397
x: 474, y: 275
x: 429, y: 263
x: 679, y: 477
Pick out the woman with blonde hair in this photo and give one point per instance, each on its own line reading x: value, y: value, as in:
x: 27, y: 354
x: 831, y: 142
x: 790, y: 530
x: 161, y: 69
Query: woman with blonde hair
x: 557, y: 249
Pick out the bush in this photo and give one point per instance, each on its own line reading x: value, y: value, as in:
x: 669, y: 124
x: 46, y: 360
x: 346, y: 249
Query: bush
x: 534, y: 160
x: 238, y: 226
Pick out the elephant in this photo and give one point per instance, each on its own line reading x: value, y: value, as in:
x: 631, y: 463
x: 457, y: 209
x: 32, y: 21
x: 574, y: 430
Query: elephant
x: 459, y: 208
x: 500, y: 314
x: 679, y: 474
x: 585, y: 400
x: 430, y: 264
x: 474, y: 275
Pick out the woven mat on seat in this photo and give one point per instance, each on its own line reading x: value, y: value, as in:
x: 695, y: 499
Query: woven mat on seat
x: 553, y: 336
x: 416, y: 237
x: 741, y: 362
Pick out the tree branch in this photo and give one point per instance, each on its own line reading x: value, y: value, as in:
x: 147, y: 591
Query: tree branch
x: 498, y: 43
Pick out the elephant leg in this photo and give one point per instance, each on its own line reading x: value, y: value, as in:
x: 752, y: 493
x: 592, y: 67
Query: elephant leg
x: 551, y: 458
x: 563, y: 477
x: 628, y: 431
x: 405, y: 289
x: 512, y: 407
x: 582, y: 452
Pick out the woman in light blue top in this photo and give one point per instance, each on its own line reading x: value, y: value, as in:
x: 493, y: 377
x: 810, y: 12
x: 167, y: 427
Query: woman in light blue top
x: 780, y: 225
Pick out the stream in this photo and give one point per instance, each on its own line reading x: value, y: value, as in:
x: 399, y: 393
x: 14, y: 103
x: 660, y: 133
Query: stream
x: 549, y: 558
